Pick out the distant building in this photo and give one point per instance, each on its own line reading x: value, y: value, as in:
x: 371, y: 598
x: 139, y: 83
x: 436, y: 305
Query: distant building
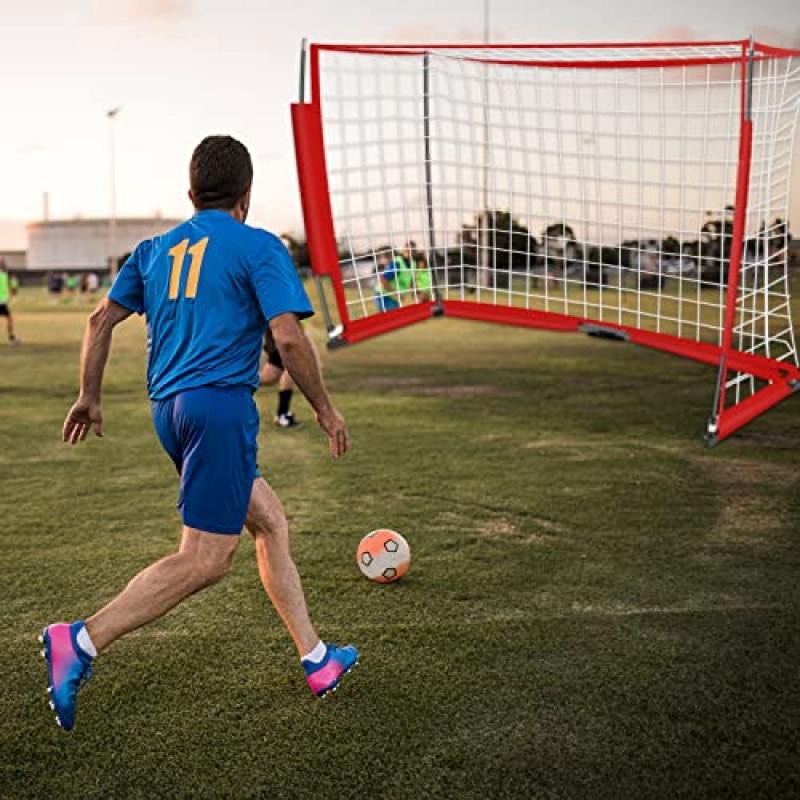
x: 15, y: 259
x: 74, y: 244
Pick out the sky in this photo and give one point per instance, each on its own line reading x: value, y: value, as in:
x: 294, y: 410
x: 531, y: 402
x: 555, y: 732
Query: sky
x: 181, y: 69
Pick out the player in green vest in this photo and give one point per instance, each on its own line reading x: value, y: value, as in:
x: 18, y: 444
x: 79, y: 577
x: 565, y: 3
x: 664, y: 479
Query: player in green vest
x: 422, y: 279
x: 73, y: 284
x: 5, y: 296
x: 394, y: 279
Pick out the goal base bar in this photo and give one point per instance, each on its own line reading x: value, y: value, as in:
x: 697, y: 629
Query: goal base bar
x: 758, y: 366
x: 365, y: 328
x: 783, y: 379
x: 736, y: 417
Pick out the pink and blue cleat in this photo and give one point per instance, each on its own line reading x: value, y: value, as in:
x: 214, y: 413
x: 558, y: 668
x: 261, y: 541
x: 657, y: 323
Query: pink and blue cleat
x: 324, y: 676
x: 68, y: 668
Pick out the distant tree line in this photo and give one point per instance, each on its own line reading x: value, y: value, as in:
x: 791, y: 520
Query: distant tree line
x: 298, y: 250
x: 508, y: 247
x: 503, y: 245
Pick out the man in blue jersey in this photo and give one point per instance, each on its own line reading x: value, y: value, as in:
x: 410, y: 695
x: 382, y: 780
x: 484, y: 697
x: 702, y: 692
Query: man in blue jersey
x: 209, y: 289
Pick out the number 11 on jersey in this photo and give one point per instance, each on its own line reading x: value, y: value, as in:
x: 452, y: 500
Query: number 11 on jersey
x: 178, y: 254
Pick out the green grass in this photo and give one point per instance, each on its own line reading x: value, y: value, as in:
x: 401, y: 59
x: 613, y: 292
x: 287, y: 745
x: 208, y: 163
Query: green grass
x: 597, y: 606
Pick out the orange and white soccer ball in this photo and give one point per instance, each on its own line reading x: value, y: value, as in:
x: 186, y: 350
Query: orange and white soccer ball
x: 383, y: 555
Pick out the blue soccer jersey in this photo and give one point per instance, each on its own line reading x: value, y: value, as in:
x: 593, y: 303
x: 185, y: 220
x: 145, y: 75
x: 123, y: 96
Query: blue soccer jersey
x: 208, y: 288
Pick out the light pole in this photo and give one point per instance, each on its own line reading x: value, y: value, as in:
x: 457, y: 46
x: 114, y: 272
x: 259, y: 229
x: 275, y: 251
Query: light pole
x: 483, y: 259
x: 112, y: 114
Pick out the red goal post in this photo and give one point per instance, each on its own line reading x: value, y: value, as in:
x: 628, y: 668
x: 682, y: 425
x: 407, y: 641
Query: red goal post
x: 659, y: 175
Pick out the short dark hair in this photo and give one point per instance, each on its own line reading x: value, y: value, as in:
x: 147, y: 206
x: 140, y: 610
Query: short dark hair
x: 220, y: 172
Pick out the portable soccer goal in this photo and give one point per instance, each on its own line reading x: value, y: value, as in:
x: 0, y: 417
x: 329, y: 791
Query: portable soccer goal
x: 636, y: 192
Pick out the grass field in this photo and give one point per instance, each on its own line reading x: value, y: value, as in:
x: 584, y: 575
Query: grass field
x: 597, y: 606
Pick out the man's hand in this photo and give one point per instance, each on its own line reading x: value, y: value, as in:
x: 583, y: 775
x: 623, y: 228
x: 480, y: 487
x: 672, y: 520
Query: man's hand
x: 83, y: 415
x: 332, y: 423
x: 86, y: 412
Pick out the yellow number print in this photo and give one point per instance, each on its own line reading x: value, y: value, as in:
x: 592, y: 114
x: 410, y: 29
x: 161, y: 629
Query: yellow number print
x: 178, y: 254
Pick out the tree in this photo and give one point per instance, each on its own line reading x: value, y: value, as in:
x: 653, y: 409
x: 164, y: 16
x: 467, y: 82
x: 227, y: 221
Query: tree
x: 560, y: 248
x: 509, y: 244
x: 298, y: 250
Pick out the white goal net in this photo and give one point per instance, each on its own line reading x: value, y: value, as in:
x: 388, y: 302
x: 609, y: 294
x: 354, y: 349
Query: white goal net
x: 625, y: 187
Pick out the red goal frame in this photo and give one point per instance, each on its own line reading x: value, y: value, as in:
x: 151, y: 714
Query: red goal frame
x: 780, y: 378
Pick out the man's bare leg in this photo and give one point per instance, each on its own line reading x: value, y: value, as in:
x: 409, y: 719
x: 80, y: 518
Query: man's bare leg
x: 269, y: 374
x: 203, y: 559
x: 285, y: 383
x: 268, y: 525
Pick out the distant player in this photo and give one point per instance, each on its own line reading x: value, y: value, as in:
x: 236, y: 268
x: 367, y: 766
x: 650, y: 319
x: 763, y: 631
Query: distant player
x: 423, y: 282
x: 208, y: 288
x: 5, y: 301
x: 274, y: 371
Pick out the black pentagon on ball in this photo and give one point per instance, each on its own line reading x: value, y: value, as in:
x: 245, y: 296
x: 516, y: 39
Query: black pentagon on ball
x: 390, y: 572
x: 366, y: 559
x: 391, y: 546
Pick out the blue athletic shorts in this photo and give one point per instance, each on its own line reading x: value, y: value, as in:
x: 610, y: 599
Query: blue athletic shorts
x: 385, y: 303
x: 210, y: 434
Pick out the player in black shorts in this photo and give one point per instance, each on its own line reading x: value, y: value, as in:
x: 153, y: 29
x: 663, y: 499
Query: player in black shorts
x: 6, y: 289
x: 273, y: 371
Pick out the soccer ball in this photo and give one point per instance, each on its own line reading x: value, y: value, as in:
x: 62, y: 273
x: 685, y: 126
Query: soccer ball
x: 383, y: 555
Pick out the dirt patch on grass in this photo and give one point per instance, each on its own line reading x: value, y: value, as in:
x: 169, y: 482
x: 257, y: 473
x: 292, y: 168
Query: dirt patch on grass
x: 780, y: 441
x: 500, y: 527
x: 570, y: 450
x: 378, y: 384
x: 551, y: 444
x: 462, y: 390
x: 382, y: 383
x: 743, y: 492
x: 620, y: 609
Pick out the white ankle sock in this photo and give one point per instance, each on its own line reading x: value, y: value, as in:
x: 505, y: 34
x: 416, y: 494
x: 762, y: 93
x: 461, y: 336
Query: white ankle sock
x: 317, y: 654
x: 85, y: 642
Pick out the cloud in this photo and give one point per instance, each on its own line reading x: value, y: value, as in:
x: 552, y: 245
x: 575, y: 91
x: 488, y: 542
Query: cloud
x: 425, y: 34
x: 153, y: 13
x: 159, y: 10
x: 32, y: 148
x: 676, y: 33
x: 765, y: 34
x: 777, y: 36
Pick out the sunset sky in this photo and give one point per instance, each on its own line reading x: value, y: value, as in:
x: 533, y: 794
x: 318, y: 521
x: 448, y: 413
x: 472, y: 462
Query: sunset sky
x: 180, y: 69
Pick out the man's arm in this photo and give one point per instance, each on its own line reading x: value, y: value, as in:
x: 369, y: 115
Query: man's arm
x: 300, y: 360
x: 86, y: 412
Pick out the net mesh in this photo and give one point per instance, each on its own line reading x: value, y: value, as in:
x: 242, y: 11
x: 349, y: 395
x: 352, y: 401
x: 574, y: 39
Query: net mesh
x: 601, y: 192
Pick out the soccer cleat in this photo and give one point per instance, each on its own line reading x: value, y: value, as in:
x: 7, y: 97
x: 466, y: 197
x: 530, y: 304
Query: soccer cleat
x: 286, y: 420
x: 68, y: 668
x: 324, y: 676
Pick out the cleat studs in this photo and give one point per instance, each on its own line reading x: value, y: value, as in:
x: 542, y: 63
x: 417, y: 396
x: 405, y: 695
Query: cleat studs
x: 52, y: 705
x: 40, y: 637
x: 49, y: 690
x: 44, y: 653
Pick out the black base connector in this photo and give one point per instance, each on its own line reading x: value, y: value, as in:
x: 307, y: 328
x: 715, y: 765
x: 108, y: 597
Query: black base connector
x: 336, y: 342
x: 711, y: 437
x: 602, y: 332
